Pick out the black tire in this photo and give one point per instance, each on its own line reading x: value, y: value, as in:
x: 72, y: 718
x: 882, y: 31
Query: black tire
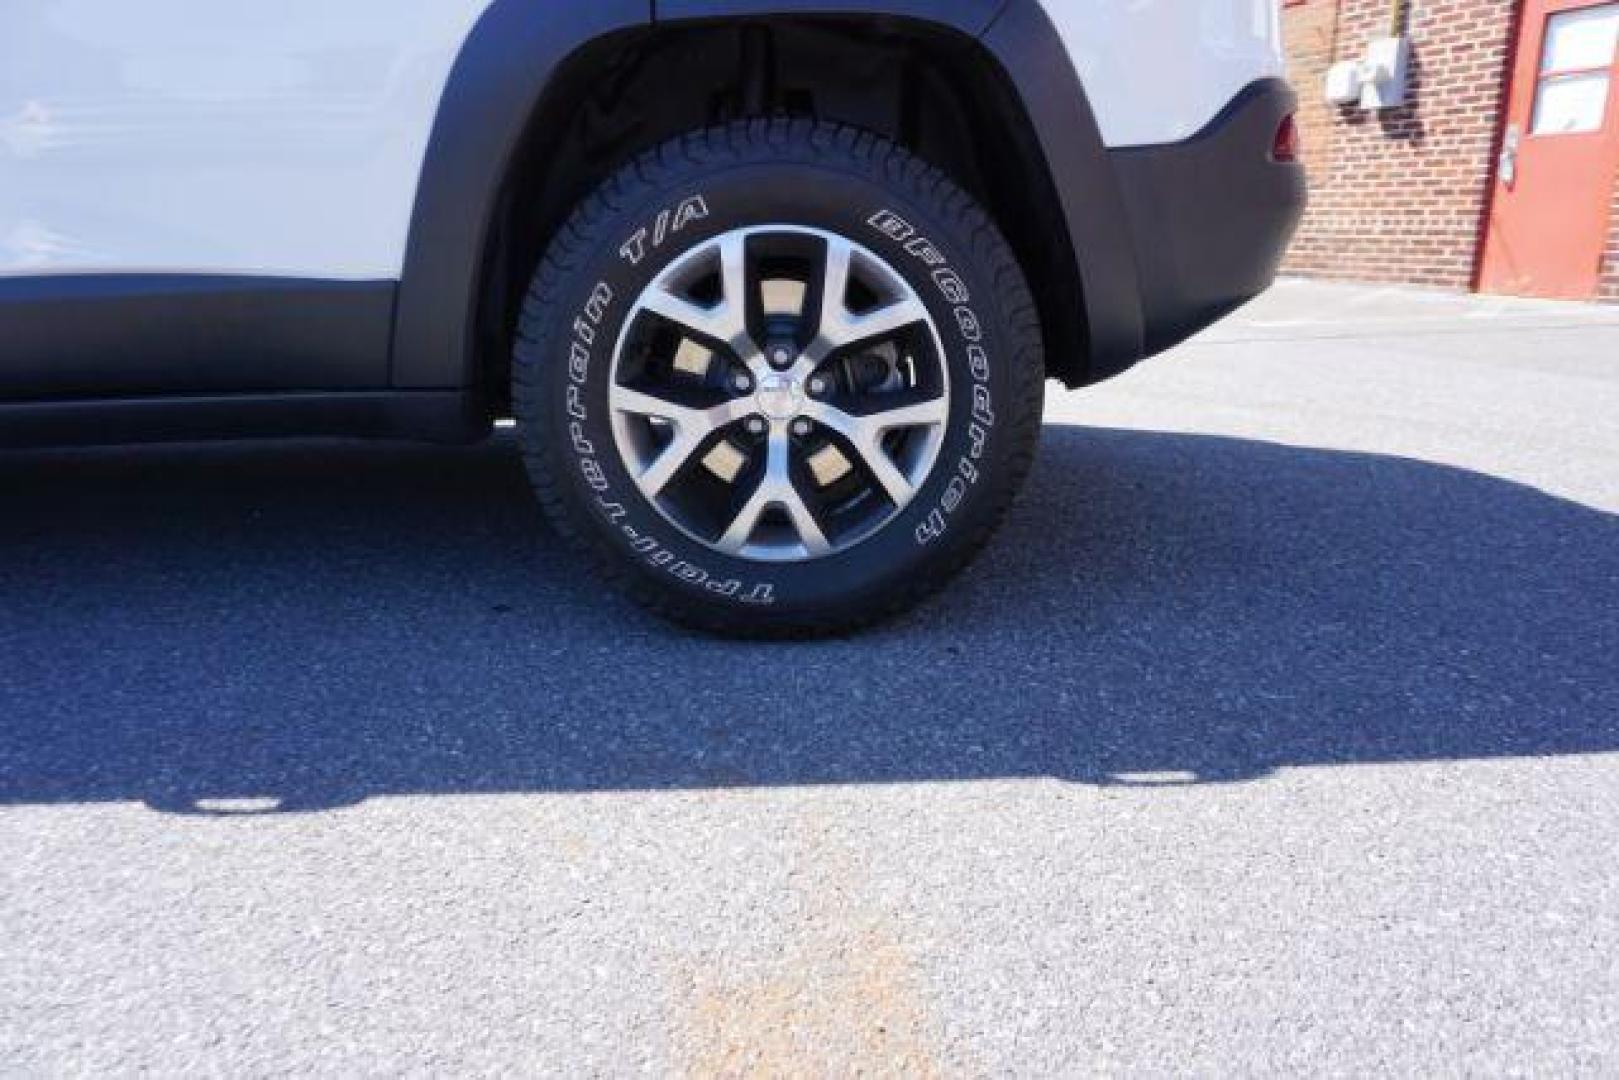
x: 816, y: 175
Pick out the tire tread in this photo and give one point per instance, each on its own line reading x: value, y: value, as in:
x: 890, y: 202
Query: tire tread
x: 822, y: 143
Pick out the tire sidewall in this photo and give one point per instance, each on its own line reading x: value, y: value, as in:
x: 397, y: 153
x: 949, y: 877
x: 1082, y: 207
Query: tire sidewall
x: 630, y: 246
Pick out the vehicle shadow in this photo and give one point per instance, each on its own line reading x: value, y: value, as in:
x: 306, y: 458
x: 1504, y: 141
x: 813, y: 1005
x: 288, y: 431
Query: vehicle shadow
x: 313, y: 625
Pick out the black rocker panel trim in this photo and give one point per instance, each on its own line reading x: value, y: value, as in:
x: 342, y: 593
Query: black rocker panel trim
x: 105, y: 335
x: 440, y: 416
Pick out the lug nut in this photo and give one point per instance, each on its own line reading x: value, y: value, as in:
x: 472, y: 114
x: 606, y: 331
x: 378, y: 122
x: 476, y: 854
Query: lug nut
x: 756, y: 425
x: 818, y: 385
x: 802, y: 428
x: 781, y: 356
x: 742, y: 382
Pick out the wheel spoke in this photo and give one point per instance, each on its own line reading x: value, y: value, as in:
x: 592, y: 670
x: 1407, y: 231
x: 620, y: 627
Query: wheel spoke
x: 839, y: 327
x: 698, y: 421
x: 894, y: 482
x: 692, y: 428
x: 930, y: 413
x: 865, y: 434
x: 734, y: 278
x: 835, y: 286
x: 809, y: 530
x: 775, y: 491
x: 714, y: 323
x: 726, y: 321
x: 856, y: 475
x: 639, y: 403
x: 667, y: 465
x: 883, y: 322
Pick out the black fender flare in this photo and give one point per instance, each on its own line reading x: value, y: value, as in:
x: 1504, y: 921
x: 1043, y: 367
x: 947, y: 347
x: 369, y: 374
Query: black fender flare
x: 971, y: 17
x: 514, y: 51
x: 1031, y: 52
x: 493, y: 90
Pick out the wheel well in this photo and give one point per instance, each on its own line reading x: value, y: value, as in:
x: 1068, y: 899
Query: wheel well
x: 938, y: 92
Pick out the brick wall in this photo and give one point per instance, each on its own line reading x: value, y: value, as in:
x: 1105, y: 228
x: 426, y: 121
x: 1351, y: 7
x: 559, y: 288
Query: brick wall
x: 1610, y: 268
x: 1399, y: 195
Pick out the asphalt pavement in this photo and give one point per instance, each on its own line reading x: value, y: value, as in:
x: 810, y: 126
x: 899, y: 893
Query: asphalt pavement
x: 1278, y: 733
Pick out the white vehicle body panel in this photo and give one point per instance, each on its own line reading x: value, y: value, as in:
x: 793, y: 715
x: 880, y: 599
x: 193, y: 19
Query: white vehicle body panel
x: 218, y: 136
x: 287, y: 139
x: 1157, y: 71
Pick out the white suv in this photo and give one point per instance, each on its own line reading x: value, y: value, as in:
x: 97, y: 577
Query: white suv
x: 771, y: 286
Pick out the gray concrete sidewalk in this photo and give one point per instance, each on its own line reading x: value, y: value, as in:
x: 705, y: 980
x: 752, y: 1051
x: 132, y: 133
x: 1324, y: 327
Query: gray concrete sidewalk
x: 1278, y: 734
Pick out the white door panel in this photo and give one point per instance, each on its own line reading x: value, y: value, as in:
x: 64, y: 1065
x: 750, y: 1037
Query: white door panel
x: 218, y: 136
x: 1157, y: 71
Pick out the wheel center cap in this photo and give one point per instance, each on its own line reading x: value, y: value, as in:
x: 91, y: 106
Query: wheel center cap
x: 779, y: 397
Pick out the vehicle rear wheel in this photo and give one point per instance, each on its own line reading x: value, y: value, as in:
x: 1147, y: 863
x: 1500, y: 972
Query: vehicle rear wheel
x: 778, y: 378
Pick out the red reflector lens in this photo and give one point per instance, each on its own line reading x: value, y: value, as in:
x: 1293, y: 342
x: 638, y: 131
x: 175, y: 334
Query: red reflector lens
x: 1288, y: 142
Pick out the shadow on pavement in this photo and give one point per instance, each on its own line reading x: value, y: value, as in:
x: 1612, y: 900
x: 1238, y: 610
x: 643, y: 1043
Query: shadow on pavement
x: 315, y: 625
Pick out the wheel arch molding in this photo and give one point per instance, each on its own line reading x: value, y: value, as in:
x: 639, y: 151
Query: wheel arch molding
x: 1085, y: 279
x: 494, y: 91
x: 971, y: 17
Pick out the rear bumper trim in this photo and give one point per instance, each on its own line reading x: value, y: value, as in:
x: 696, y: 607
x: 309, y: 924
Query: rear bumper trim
x: 1211, y: 218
